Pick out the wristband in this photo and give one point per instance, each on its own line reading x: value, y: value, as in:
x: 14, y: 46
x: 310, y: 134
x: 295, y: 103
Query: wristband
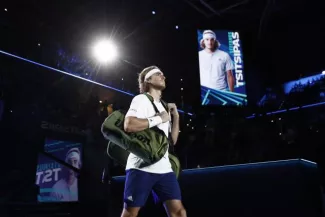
x: 154, y: 121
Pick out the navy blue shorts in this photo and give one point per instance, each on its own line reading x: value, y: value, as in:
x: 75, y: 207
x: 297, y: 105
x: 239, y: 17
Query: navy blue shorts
x: 139, y: 184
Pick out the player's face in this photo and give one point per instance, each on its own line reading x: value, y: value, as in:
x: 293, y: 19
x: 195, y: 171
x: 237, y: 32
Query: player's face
x: 158, y: 80
x: 209, y: 43
x: 74, y: 162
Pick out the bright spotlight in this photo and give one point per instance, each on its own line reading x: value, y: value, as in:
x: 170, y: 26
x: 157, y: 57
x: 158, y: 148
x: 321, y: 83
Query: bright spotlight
x: 105, y: 51
x: 323, y: 72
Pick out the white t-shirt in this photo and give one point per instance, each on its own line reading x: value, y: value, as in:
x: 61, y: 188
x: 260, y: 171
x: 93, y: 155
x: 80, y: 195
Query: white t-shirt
x: 213, y: 69
x: 141, y: 107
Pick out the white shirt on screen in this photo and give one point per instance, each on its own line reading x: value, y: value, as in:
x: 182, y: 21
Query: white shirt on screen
x: 213, y: 69
x: 141, y: 107
x: 61, y: 191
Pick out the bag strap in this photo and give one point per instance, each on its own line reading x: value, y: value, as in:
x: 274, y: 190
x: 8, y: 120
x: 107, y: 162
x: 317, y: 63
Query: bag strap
x: 171, y: 146
x: 154, y: 106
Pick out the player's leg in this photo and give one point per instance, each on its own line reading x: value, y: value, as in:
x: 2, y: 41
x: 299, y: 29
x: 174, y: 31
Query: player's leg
x: 175, y: 208
x: 130, y: 211
x: 168, y: 191
x: 138, y: 185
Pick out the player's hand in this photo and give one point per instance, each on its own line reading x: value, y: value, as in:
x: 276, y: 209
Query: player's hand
x: 173, y: 109
x: 164, y: 116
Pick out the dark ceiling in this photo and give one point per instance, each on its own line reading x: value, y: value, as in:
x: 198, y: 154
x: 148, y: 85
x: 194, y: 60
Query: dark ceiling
x: 282, y: 39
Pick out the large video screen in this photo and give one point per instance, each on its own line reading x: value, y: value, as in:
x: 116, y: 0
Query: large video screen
x: 57, y: 182
x: 305, y: 91
x: 222, y: 75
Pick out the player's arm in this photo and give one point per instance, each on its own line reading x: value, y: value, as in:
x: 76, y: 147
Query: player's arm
x: 231, y: 80
x: 230, y: 76
x: 175, y: 126
x: 133, y: 123
x: 175, y: 129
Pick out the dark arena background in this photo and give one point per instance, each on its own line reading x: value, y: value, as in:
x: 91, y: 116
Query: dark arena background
x: 256, y: 151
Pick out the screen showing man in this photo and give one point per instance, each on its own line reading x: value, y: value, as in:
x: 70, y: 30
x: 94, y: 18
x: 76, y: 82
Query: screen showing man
x: 66, y: 189
x: 221, y: 68
x: 57, y: 182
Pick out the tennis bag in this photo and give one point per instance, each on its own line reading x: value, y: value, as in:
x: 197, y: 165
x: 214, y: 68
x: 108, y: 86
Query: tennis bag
x: 150, y: 144
x: 120, y: 156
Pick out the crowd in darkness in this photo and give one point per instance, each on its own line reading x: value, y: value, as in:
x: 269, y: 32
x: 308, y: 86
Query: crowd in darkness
x: 303, y: 92
x: 316, y: 83
x: 311, y: 92
x: 284, y: 136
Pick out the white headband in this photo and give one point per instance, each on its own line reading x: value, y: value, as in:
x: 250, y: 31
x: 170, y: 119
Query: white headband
x: 73, y: 154
x: 151, y: 72
x: 209, y: 35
